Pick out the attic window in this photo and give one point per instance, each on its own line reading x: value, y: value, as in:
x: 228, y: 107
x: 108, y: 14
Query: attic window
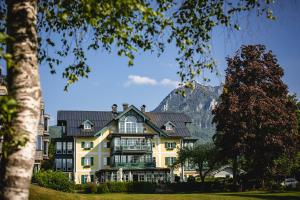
x: 169, y: 126
x: 87, y: 125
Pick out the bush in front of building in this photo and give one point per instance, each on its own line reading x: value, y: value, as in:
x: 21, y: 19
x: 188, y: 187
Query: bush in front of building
x: 115, y: 187
x: 142, y: 187
x: 53, y: 179
x: 90, y: 188
x: 102, y: 188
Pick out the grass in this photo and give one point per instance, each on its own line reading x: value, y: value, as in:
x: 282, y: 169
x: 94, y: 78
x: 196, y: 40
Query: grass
x: 39, y: 193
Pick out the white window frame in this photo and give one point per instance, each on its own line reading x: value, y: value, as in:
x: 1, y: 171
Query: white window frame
x: 87, y: 126
x: 64, y: 147
x: 58, y: 161
x: 56, y: 149
x: 69, y: 162
x: 87, y: 161
x: 169, y: 127
x: 69, y: 147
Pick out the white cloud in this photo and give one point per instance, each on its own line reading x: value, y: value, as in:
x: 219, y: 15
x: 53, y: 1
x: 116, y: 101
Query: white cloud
x: 169, y: 83
x: 144, y: 80
x: 140, y: 80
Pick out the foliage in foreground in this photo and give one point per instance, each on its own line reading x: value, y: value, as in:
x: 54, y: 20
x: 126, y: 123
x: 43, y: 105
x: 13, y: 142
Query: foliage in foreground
x: 53, y: 179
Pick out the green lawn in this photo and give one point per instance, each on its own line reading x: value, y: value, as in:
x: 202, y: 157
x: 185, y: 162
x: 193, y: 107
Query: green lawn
x: 39, y: 193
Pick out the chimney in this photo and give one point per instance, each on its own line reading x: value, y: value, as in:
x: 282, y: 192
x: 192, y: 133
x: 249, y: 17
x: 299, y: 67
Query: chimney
x: 114, y: 108
x: 143, y: 108
x: 125, y: 106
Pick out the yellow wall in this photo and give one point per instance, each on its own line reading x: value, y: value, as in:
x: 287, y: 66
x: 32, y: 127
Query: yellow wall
x: 99, y: 152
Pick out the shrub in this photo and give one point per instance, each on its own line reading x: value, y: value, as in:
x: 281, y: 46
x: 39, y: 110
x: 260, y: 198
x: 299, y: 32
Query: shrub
x: 102, y: 188
x: 191, y: 179
x: 117, y: 186
x: 79, y: 187
x: 90, y: 188
x: 142, y: 187
x: 53, y: 179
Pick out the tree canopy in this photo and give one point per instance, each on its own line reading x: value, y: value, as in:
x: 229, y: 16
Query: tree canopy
x: 72, y: 27
x: 255, y: 118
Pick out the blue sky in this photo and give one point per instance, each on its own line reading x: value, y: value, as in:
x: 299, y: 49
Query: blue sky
x: 152, y: 78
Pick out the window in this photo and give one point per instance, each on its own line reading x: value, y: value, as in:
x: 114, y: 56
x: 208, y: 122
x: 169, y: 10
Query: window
x: 69, y: 147
x: 169, y: 127
x: 69, y: 164
x: 123, y: 159
x: 64, y: 164
x: 45, y: 148
x: 170, y: 161
x: 46, y: 124
x: 106, y: 161
x: 87, y: 161
x: 64, y: 147
x: 58, y: 163
x: 92, y: 178
x: 87, y: 145
x: 106, y: 144
x: 84, y: 179
x: 87, y: 126
x: 58, y: 147
x: 142, y: 177
x: 39, y: 142
x: 126, y: 177
x: 170, y: 145
x: 117, y: 159
x: 130, y: 124
x: 121, y: 127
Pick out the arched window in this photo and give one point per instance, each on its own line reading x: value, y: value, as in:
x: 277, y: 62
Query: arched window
x: 131, y: 124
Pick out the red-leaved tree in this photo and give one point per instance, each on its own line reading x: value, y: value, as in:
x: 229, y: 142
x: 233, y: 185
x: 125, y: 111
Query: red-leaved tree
x: 255, y: 118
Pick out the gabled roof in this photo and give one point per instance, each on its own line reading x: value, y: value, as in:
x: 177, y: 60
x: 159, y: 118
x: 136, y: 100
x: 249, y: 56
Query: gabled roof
x: 87, y: 121
x: 132, y: 107
x: 101, y: 119
x: 178, y: 119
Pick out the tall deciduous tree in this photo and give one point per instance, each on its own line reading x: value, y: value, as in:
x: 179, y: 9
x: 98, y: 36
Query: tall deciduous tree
x: 255, y: 118
x: 28, y: 26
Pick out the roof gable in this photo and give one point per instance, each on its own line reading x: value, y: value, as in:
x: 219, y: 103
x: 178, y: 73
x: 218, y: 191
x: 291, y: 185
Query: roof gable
x: 132, y: 108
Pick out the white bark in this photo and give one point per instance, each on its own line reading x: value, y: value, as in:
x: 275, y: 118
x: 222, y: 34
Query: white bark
x: 24, y: 87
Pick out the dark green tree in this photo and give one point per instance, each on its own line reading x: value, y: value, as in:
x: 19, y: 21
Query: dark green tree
x: 256, y: 118
x: 27, y: 29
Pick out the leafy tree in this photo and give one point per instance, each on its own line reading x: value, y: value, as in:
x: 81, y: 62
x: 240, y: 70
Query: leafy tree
x: 49, y: 163
x: 27, y: 29
x: 256, y: 118
x: 202, y: 156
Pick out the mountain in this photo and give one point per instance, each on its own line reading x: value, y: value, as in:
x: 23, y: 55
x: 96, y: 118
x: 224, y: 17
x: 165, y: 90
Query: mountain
x: 197, y: 104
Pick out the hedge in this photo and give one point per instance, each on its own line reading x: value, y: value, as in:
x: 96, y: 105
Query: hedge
x: 53, y: 179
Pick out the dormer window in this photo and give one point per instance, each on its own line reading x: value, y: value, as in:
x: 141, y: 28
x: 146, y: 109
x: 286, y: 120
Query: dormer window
x: 87, y: 125
x: 169, y: 126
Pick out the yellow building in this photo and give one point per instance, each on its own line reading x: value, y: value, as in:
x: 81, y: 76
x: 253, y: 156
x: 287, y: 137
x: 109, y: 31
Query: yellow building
x: 127, y: 145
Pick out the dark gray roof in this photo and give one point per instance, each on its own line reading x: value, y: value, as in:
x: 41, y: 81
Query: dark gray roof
x: 178, y: 119
x: 74, y: 120
x: 100, y: 119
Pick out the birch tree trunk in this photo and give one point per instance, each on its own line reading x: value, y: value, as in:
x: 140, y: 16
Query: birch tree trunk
x: 24, y: 87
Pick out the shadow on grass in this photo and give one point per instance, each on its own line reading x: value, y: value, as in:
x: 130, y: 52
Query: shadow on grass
x: 266, y: 196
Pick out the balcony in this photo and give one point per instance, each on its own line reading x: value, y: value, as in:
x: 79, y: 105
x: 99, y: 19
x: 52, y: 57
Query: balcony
x: 130, y: 148
x: 134, y: 165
